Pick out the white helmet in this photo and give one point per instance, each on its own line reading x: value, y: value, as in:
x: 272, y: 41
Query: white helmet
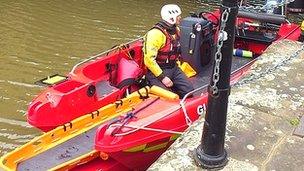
x: 169, y: 13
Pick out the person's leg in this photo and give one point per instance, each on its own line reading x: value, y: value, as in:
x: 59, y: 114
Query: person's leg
x: 152, y: 80
x: 181, y: 82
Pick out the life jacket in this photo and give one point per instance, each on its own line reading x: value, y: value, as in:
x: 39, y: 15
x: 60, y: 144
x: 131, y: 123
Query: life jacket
x: 170, y: 52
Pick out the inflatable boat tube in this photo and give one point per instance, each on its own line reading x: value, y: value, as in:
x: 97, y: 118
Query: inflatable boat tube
x: 263, y: 17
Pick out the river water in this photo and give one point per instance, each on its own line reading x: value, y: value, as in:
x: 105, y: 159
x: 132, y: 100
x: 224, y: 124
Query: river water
x: 40, y: 38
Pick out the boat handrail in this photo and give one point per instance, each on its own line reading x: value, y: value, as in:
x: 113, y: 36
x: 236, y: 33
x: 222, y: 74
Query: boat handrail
x: 98, y: 55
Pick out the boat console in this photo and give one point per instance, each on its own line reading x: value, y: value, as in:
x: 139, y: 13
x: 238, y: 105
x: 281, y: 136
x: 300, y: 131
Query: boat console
x: 197, y: 42
x: 258, y: 27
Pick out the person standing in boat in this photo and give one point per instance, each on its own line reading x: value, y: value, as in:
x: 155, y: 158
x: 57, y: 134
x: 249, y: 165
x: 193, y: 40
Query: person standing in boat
x: 162, y: 51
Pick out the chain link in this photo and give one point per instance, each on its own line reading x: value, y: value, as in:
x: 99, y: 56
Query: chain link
x: 218, y: 54
x: 221, y: 39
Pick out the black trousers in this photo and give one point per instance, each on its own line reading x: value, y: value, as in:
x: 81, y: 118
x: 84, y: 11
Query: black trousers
x: 181, y: 83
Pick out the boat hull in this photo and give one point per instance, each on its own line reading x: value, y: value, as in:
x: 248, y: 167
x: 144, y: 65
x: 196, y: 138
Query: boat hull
x: 88, y: 87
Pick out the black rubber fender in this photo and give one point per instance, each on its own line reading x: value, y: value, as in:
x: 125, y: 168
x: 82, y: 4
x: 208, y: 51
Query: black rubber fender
x: 91, y: 90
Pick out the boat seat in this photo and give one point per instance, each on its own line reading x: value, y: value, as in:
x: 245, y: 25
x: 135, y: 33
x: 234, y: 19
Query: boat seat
x: 103, y: 88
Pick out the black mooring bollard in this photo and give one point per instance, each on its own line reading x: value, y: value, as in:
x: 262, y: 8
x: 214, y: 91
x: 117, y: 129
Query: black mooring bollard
x: 210, y: 154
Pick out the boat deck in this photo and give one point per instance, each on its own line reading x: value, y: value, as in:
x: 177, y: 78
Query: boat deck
x: 69, y: 150
x: 203, y: 78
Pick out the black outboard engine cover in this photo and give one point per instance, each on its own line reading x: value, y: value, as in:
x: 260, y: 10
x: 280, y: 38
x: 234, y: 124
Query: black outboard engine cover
x: 296, y: 6
x: 197, y: 42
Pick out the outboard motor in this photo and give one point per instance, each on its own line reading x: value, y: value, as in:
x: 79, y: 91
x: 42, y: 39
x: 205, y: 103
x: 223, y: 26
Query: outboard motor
x: 296, y: 6
x: 271, y: 7
x: 197, y: 42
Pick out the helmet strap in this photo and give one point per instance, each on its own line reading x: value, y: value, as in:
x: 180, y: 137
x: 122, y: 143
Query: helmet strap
x: 170, y: 28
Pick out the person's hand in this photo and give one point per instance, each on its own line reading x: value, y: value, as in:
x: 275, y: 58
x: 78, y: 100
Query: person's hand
x: 167, y: 82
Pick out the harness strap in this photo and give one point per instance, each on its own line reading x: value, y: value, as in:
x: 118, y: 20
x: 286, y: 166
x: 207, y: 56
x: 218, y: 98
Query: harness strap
x: 110, y: 68
x: 174, y: 51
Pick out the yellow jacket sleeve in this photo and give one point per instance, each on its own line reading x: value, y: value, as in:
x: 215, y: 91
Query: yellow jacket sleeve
x: 154, y: 40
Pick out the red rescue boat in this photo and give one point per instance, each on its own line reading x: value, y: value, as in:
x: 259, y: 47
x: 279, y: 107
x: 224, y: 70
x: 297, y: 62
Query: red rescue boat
x: 136, y: 143
x: 106, y: 77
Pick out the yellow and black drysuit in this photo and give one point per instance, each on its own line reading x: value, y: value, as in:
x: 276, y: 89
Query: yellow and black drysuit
x: 161, y: 52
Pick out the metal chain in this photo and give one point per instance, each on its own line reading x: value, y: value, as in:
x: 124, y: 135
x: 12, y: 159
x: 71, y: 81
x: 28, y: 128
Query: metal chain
x: 265, y: 7
x: 218, y: 55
